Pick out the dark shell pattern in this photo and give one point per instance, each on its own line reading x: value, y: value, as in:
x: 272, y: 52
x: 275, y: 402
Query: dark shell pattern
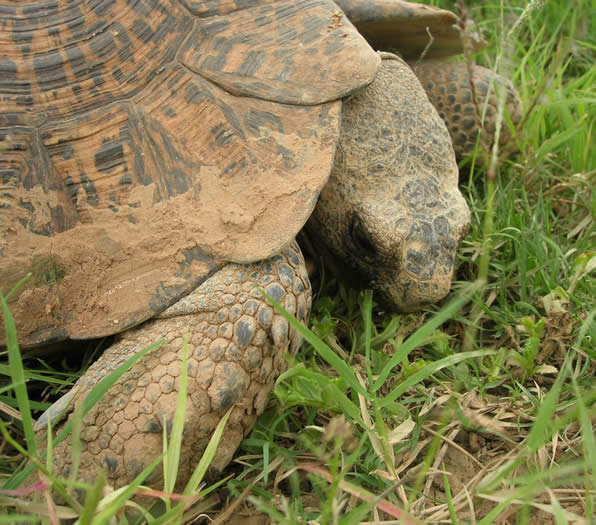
x: 145, y: 143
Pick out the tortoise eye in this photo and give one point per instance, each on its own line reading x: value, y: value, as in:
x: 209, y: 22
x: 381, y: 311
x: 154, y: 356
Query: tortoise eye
x: 361, y: 238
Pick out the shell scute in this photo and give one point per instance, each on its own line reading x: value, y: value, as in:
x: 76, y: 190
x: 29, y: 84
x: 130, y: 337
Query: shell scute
x: 281, y: 51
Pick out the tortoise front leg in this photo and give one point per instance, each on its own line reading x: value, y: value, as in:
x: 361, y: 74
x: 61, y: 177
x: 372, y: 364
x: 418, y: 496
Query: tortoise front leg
x: 236, y: 347
x: 449, y: 89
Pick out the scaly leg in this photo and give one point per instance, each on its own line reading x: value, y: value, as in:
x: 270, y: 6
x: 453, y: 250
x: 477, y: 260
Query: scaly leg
x: 236, y: 347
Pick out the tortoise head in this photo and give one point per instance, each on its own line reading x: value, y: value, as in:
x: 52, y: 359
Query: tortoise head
x: 391, y: 209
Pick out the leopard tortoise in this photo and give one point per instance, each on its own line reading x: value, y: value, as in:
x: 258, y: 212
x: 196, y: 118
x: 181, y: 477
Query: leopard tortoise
x: 159, y: 157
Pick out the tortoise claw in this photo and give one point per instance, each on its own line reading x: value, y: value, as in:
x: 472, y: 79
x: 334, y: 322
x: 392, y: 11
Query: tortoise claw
x: 56, y: 411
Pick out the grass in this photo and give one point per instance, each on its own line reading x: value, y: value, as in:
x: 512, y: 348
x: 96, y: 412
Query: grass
x: 480, y: 410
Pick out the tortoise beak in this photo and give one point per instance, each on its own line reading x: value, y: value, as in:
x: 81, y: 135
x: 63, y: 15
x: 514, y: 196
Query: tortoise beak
x: 409, y: 293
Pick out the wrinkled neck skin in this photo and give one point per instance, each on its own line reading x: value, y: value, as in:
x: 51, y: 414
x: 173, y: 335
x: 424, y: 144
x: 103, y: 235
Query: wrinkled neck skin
x: 392, y: 210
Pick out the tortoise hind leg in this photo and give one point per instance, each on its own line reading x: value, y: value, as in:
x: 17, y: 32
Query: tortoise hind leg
x: 236, y: 347
x: 448, y: 87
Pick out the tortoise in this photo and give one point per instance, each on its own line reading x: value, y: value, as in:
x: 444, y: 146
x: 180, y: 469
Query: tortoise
x: 159, y: 158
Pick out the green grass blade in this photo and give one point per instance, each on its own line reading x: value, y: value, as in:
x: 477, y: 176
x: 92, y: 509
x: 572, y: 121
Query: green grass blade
x: 15, y: 518
x: 449, y: 498
x: 77, y: 446
x: 589, y: 441
x: 17, y: 286
x: 543, y: 425
x: 367, y: 322
x: 347, y: 405
x: 429, y: 370
x: 172, y: 457
x: 17, y: 373
x: 207, y: 457
x: 92, y: 500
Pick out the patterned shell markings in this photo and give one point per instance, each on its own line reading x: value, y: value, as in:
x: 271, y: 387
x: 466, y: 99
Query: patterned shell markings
x: 145, y: 143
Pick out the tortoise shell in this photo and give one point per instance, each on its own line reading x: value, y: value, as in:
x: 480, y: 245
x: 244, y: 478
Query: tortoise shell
x: 415, y: 31
x: 144, y: 144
